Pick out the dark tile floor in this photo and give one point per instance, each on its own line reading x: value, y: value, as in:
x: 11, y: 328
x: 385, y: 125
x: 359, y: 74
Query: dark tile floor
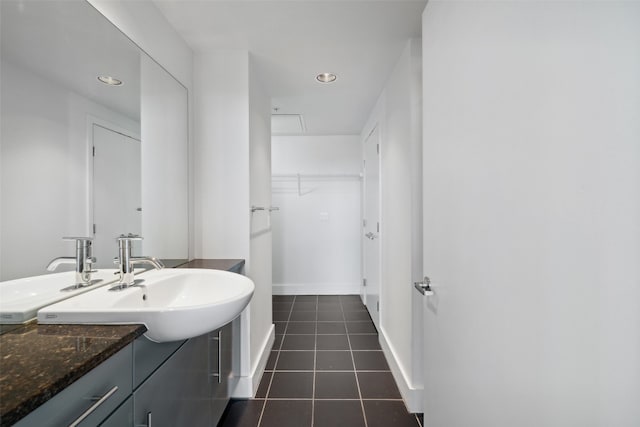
x: 326, y: 370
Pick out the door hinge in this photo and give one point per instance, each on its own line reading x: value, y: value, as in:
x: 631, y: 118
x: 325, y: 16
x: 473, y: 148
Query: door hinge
x: 364, y: 282
x: 378, y: 306
x: 364, y: 222
x: 94, y: 229
x: 378, y: 148
x: 94, y: 151
x: 378, y: 227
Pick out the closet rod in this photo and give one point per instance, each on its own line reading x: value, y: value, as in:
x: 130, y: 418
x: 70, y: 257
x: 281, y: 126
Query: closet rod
x: 319, y: 175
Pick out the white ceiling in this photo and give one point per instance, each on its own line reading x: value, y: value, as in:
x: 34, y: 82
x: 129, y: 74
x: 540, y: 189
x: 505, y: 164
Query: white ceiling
x: 293, y: 41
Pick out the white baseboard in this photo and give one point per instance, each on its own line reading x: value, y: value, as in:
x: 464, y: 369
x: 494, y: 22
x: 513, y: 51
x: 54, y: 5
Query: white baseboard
x: 411, y: 395
x: 331, y: 288
x: 246, y: 387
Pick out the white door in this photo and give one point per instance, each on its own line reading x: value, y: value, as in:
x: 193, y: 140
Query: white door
x: 371, y: 224
x: 116, y: 192
x: 532, y: 214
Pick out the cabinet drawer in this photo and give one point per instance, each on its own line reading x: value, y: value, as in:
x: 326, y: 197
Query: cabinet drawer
x: 91, y: 399
x: 121, y: 417
x: 148, y: 356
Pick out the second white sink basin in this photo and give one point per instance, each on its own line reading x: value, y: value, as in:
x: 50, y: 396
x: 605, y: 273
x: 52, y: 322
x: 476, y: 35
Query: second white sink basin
x: 20, y: 299
x: 174, y: 304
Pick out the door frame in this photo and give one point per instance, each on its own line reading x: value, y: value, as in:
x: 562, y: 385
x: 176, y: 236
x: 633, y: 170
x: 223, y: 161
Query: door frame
x: 364, y: 291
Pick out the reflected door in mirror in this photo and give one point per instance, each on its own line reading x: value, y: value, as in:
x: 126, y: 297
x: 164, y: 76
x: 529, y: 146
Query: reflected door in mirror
x: 116, y: 191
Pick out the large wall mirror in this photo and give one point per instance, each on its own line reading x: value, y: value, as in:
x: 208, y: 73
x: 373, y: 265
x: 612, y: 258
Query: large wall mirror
x: 80, y: 156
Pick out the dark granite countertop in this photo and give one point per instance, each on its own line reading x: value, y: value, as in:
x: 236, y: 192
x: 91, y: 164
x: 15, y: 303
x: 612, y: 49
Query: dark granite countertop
x: 214, y: 264
x: 39, y: 361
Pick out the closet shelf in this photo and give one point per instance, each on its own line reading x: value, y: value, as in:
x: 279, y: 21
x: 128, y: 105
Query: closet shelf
x: 314, y: 177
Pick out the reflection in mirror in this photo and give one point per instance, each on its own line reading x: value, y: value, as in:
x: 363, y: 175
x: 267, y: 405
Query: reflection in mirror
x: 54, y: 111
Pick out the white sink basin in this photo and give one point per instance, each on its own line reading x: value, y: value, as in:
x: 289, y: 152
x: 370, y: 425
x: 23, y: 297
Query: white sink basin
x: 20, y: 299
x: 174, y: 304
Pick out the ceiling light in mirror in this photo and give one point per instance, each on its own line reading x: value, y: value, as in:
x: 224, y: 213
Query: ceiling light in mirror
x: 326, y: 77
x: 111, y: 81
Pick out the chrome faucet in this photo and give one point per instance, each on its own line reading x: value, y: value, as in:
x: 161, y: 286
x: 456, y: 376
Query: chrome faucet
x: 83, y: 261
x: 126, y: 262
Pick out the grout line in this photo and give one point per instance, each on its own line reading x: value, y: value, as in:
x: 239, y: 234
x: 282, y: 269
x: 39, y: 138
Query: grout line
x: 316, y: 370
x: 315, y: 357
x: 363, y: 350
x: 330, y: 370
x: 288, y: 399
x: 273, y: 373
x: 331, y: 398
x: 364, y: 415
x: 386, y: 399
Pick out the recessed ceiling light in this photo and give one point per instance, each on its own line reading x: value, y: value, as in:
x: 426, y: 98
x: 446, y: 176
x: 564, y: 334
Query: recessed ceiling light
x: 111, y: 81
x: 326, y: 77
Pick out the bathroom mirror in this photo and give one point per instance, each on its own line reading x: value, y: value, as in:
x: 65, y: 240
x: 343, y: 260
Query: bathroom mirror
x: 80, y: 156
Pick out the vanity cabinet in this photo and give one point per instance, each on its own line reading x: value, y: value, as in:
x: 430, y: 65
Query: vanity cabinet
x: 184, y: 383
x: 89, y: 400
x: 177, y: 393
x: 191, y: 387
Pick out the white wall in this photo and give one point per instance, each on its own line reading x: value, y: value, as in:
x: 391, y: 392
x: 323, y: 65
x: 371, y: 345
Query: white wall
x: 316, y: 236
x: 398, y: 115
x: 45, y: 161
x: 222, y: 155
x: 232, y: 132
x: 327, y: 154
x: 259, y: 267
x: 532, y: 213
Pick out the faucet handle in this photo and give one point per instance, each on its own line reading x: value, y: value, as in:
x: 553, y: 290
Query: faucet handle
x: 88, y: 239
x: 128, y: 237
x: 82, y: 243
x: 125, y: 243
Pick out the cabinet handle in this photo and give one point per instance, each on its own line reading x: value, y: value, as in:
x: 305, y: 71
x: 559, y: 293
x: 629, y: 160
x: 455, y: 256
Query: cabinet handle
x: 219, y: 374
x: 220, y: 356
x: 148, y: 424
x: 93, y: 407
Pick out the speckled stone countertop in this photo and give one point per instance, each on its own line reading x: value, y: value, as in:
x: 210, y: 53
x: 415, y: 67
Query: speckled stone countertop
x: 39, y: 361
x: 215, y: 264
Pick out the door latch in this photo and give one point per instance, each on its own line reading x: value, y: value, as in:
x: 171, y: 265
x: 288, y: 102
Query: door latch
x: 424, y: 287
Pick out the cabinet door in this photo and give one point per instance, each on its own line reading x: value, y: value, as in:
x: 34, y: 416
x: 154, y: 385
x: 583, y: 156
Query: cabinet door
x: 148, y: 355
x: 177, y: 394
x: 220, y: 349
x: 121, y: 417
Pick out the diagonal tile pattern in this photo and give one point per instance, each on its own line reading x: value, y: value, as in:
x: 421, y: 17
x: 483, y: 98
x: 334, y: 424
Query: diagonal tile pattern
x: 326, y: 369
